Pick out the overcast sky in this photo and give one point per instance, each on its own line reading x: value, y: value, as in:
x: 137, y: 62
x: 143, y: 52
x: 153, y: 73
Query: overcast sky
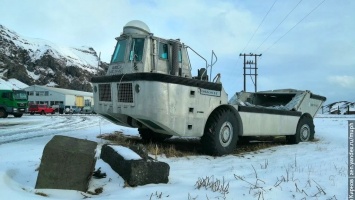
x: 300, y: 49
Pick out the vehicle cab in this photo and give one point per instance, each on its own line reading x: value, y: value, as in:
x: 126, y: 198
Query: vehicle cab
x: 138, y: 50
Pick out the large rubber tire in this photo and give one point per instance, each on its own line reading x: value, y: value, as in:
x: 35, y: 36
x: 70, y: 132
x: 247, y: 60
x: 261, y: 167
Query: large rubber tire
x: 18, y: 115
x: 304, y: 132
x: 221, y: 133
x: 151, y: 136
x: 43, y: 113
x: 3, y: 113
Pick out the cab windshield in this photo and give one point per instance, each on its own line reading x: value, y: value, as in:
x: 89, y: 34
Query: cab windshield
x: 20, y: 95
x: 119, y: 53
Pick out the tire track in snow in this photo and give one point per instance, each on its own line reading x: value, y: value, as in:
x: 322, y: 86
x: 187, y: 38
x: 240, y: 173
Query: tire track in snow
x: 39, y: 126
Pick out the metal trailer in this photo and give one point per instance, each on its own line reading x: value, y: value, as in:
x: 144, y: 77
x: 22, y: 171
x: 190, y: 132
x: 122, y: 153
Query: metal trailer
x: 149, y: 86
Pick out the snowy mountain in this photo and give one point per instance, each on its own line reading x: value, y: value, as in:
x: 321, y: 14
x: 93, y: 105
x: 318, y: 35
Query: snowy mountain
x: 37, y: 61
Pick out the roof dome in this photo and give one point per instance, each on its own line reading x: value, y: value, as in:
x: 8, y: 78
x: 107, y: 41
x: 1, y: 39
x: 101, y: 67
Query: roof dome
x: 136, y: 27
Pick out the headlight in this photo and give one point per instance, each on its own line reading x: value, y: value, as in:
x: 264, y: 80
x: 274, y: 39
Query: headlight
x: 137, y: 88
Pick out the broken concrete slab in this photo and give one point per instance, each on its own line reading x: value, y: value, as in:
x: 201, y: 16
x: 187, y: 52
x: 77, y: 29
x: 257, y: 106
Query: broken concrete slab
x: 67, y: 163
x: 132, y: 168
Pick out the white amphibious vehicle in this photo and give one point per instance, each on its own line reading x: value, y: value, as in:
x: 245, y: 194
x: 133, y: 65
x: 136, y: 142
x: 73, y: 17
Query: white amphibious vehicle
x: 149, y: 86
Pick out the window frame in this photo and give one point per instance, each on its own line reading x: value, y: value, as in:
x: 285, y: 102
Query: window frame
x: 161, y: 46
x: 133, y: 45
x: 117, y: 51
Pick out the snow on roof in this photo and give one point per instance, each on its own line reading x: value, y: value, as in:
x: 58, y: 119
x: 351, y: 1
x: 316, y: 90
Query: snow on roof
x: 12, y: 84
x: 63, y: 91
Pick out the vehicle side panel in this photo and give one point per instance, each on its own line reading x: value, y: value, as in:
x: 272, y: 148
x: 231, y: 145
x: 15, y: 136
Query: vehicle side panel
x: 268, y: 122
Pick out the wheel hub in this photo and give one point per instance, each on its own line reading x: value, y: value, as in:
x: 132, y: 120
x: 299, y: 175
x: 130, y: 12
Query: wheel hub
x: 305, y: 133
x: 226, y: 134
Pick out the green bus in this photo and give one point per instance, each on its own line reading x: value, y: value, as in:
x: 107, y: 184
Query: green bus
x: 13, y: 102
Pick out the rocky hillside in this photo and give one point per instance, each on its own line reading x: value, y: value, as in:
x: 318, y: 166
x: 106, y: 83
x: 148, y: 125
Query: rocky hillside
x: 36, y: 61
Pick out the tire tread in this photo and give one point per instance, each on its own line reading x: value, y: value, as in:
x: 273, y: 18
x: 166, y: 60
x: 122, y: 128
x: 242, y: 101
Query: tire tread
x: 208, y: 140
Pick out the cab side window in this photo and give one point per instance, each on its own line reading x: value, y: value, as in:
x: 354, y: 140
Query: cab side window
x: 163, y: 51
x: 6, y: 95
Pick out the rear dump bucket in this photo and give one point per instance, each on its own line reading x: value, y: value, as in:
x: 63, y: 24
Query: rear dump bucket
x: 289, y: 99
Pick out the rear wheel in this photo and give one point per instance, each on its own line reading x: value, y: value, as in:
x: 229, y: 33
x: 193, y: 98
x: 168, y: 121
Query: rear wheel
x: 43, y: 113
x: 304, y: 132
x: 221, y: 133
x: 3, y: 113
x: 149, y: 135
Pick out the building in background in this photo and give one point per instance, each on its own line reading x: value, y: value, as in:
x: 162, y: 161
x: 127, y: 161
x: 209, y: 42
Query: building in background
x: 55, y: 97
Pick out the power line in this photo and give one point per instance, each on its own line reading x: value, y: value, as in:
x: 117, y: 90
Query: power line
x: 252, y: 66
x: 259, y: 25
x: 279, y: 24
x: 294, y: 26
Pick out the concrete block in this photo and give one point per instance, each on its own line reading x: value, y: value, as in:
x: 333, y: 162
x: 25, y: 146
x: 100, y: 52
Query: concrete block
x: 132, y: 168
x: 67, y: 163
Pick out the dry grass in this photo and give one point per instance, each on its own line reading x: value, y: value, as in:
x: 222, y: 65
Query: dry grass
x: 181, y: 147
x: 97, y: 191
x: 41, y: 194
x: 175, y: 147
x: 315, y: 140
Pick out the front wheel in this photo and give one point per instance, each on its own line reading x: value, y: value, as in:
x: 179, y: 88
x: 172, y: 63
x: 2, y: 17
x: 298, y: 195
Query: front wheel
x: 221, y: 133
x: 304, y: 132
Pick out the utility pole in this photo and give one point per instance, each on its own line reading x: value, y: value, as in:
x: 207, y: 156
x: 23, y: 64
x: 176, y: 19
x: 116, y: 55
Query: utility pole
x: 250, y: 65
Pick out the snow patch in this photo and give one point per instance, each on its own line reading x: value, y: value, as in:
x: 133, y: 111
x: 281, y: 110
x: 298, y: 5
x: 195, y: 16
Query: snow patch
x: 126, y: 153
x: 33, y: 75
x: 51, y: 84
x: 3, y: 72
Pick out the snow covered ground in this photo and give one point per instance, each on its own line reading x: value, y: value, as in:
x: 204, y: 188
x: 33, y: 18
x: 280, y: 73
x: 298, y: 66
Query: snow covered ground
x: 312, y: 170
